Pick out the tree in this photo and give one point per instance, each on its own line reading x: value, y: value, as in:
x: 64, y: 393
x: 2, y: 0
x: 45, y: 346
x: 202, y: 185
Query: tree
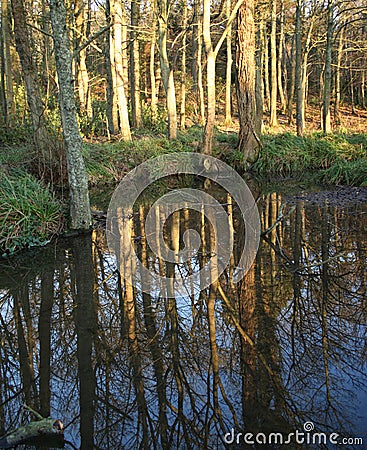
x: 166, y: 68
x: 29, y: 70
x: 78, y: 182
x: 6, y: 72
x: 248, y: 140
x: 211, y: 56
x: 273, y: 62
x: 135, y: 65
x: 326, y: 122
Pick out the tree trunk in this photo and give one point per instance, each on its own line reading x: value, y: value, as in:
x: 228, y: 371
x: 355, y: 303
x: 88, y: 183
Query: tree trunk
x: 266, y: 67
x: 81, y: 64
x: 210, y: 80
x: 280, y: 59
x: 299, y: 78
x: 337, y: 78
x: 7, y: 76
x: 183, y: 71
x: 118, y: 19
x: 154, y: 93
x: 292, y: 83
x: 326, y: 120
x: 78, y: 182
x: 167, y: 71
x: 135, y: 66
x: 273, y: 66
x: 228, y: 102
x: 37, y: 108
x: 245, y: 66
x: 111, y: 104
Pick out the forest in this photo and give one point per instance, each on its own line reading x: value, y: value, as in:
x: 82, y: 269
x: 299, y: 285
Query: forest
x: 279, y: 85
x: 183, y: 191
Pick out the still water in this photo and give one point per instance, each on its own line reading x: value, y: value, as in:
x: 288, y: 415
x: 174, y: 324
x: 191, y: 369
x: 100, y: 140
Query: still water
x: 283, y: 351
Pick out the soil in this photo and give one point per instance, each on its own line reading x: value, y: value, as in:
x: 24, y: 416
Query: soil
x: 341, y: 197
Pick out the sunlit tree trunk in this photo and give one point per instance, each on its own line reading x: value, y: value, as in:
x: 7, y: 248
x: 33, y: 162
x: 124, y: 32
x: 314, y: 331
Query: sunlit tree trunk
x: 111, y: 104
x: 273, y: 65
x: 135, y: 65
x: 300, y: 121
x: 326, y: 120
x: 337, y: 77
x: 118, y: 19
x: 166, y: 69
x: 228, y: 102
x: 81, y: 64
x: 154, y: 93
x: 248, y: 142
x: 267, y: 93
x: 292, y: 80
x: 210, y: 80
x: 183, y: 71
x: 280, y: 59
x: 78, y: 182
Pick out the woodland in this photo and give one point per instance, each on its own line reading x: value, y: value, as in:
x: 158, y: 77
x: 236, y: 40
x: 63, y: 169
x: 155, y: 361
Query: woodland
x: 90, y: 89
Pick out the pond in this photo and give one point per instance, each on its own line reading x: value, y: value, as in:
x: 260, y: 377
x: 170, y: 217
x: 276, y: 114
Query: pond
x: 127, y: 365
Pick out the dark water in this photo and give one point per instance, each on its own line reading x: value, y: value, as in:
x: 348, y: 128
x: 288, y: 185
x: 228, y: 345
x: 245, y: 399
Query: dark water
x: 284, y: 351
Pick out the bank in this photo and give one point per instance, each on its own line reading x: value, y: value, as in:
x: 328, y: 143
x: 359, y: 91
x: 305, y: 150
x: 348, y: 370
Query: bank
x: 33, y: 201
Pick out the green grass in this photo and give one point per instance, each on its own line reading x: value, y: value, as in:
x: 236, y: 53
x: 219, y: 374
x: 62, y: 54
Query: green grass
x: 109, y: 162
x: 29, y: 212
x: 332, y: 159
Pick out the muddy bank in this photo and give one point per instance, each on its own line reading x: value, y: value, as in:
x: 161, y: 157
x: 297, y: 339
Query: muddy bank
x: 341, y: 196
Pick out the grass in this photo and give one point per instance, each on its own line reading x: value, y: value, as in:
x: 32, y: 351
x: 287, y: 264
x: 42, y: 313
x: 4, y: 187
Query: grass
x: 109, y: 162
x: 331, y: 159
x: 29, y: 212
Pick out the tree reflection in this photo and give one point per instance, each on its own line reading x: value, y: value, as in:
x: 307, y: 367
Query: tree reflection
x: 158, y: 369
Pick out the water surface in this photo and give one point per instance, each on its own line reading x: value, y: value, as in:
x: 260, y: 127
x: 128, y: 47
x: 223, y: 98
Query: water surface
x: 283, y: 351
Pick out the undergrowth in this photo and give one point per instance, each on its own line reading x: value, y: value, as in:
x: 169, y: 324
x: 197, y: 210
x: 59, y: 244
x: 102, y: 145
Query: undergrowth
x: 29, y: 212
x: 330, y: 159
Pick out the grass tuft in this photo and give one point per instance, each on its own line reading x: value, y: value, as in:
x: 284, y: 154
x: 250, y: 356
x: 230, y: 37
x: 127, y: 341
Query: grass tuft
x: 29, y: 213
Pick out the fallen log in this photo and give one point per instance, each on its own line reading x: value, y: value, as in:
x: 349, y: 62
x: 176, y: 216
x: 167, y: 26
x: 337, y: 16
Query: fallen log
x: 44, y: 432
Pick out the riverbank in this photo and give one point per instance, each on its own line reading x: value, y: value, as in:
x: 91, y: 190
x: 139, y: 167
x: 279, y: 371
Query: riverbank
x: 33, y: 202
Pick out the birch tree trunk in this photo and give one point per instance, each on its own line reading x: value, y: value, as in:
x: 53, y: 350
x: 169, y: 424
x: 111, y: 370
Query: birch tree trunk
x: 78, y: 182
